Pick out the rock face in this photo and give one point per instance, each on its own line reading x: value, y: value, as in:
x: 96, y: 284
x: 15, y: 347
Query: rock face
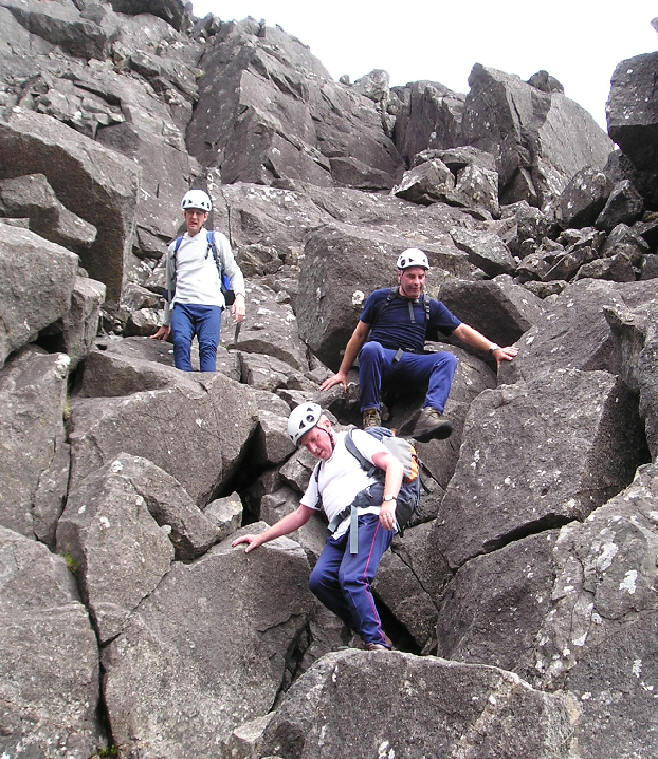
x: 632, y: 115
x: 523, y: 127
x: 521, y: 599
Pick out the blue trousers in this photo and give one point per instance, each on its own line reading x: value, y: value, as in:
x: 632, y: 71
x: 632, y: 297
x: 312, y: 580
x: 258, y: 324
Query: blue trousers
x: 341, y: 580
x: 377, y: 369
x: 190, y: 320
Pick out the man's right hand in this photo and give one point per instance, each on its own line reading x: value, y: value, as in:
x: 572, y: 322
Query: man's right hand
x: 338, y: 378
x: 162, y: 333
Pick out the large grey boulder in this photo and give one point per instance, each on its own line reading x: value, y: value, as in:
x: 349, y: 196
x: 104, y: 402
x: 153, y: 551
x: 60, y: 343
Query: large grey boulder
x: 61, y: 24
x: 194, y: 429
x: 632, y: 116
x: 268, y: 109
x: 270, y: 328
x: 213, y: 646
x: 491, y: 610
x: 80, y: 323
x: 523, y: 127
x: 573, y: 331
x: 499, y: 308
x: 429, y: 116
x: 580, y: 440
x: 32, y: 197
x: 48, y: 656
x: 37, y: 279
x: 172, y: 11
x: 95, y: 183
x: 409, y: 707
x: 600, y: 637
x: 32, y: 396
x: 485, y: 250
x: 120, y: 551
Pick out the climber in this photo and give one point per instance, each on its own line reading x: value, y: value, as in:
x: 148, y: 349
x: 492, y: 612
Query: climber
x: 194, y: 298
x: 389, y: 340
x: 343, y: 574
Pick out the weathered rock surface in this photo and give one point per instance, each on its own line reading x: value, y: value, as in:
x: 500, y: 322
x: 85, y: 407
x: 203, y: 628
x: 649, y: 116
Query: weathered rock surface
x: 32, y: 393
x: 440, y: 711
x: 95, y: 183
x: 210, y: 648
x: 48, y: 656
x: 632, y: 115
x: 580, y: 440
x: 37, y: 279
x: 523, y: 127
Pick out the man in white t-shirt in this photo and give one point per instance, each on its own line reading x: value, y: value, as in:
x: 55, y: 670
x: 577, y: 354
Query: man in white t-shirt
x: 195, y: 301
x: 342, y: 577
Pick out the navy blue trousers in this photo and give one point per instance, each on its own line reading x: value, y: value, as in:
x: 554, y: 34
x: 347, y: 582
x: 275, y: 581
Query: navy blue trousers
x: 377, y: 369
x: 341, y: 580
x: 189, y: 320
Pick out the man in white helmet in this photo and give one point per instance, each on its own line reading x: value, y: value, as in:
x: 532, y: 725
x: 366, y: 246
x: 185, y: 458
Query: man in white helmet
x: 348, y: 564
x: 389, y: 341
x: 194, y: 299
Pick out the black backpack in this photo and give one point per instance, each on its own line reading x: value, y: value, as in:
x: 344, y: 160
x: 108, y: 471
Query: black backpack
x: 408, y: 500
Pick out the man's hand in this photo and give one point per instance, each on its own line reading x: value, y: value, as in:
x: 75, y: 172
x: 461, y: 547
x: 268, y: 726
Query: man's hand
x: 387, y: 515
x: 238, y: 308
x: 504, y: 354
x: 162, y: 333
x: 338, y: 378
x: 253, y: 540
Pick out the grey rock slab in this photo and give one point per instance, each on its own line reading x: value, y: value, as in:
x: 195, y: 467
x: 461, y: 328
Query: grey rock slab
x: 578, y: 440
x: 120, y: 551
x: 491, y: 611
x: 207, y: 650
x: 441, y: 708
x: 573, y: 331
x: 33, y: 393
x: 37, y: 279
x: 600, y: 639
x: 48, y: 656
x: 97, y: 184
x: 80, y: 323
x: 196, y: 429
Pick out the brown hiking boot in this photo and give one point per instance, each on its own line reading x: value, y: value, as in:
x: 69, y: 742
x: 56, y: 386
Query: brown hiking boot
x: 430, y: 426
x: 371, y: 418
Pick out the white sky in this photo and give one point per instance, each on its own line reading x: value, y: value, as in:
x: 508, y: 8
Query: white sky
x: 577, y: 41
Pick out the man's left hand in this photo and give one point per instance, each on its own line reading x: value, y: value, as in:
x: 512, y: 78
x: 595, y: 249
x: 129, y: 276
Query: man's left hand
x: 504, y: 354
x: 387, y: 515
x: 238, y: 309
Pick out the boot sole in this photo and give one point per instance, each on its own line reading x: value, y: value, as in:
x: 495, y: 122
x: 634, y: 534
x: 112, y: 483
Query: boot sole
x: 440, y: 432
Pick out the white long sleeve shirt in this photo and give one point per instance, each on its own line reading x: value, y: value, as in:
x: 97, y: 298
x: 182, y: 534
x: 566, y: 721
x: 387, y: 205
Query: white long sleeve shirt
x: 195, y: 273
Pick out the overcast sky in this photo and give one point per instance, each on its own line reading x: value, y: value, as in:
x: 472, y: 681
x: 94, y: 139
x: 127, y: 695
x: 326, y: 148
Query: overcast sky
x: 577, y: 41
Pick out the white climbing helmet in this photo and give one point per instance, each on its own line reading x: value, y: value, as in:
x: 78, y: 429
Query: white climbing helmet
x: 196, y: 199
x: 412, y: 257
x: 302, y: 419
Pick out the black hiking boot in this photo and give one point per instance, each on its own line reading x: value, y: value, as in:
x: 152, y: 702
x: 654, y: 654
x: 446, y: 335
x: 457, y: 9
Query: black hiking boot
x: 430, y: 426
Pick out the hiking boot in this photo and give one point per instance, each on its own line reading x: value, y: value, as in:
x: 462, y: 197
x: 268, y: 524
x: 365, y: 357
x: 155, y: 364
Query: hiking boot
x: 430, y: 426
x: 375, y: 647
x: 371, y: 418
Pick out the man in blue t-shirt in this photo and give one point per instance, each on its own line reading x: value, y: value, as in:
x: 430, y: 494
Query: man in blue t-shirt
x: 389, y: 341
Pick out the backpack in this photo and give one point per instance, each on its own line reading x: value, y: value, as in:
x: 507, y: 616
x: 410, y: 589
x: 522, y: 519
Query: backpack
x: 408, y: 500
x: 224, y: 279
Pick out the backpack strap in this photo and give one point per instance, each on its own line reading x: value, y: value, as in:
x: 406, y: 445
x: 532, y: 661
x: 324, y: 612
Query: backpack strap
x: 412, y: 315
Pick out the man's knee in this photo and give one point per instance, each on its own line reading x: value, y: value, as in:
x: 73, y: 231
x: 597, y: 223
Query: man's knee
x: 446, y: 361
x: 371, y: 351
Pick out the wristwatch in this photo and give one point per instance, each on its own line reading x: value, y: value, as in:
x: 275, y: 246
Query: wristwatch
x: 390, y: 498
x: 493, y: 348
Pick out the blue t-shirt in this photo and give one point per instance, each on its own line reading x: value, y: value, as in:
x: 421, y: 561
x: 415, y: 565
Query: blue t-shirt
x: 391, y: 325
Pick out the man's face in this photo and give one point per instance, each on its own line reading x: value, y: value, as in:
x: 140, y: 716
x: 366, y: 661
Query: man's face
x: 318, y: 442
x: 412, y: 281
x: 195, y: 218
